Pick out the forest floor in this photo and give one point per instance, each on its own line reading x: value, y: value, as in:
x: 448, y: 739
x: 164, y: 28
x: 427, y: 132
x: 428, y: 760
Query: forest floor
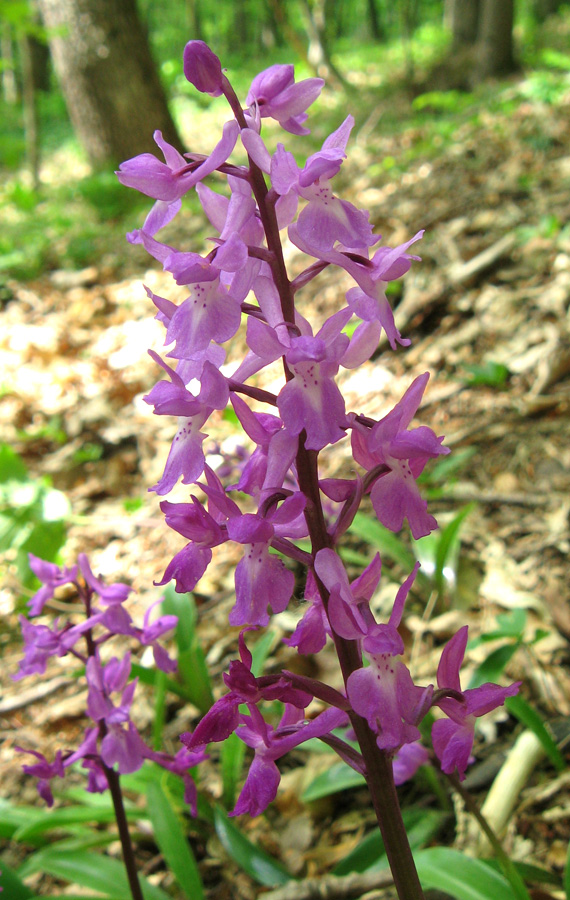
x: 487, y: 312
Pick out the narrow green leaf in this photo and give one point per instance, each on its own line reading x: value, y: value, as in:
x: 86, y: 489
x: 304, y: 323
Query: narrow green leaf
x: 369, y: 855
x: 567, y: 875
x: 159, y: 710
x: 231, y: 765
x: 260, y: 651
x: 74, y: 897
x: 529, y: 717
x: 173, y: 842
x: 12, y: 467
x: 379, y: 538
x: 530, y: 872
x: 149, y: 676
x: 340, y: 777
x: 493, y: 667
x: 448, y: 541
x: 66, y: 818
x: 91, y: 870
x: 254, y: 861
x: 460, y: 876
x: 192, y: 667
x: 12, y: 886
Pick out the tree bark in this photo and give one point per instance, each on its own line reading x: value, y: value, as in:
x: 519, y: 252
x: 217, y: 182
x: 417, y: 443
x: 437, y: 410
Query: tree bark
x: 495, y: 38
x: 111, y: 86
x: 463, y: 19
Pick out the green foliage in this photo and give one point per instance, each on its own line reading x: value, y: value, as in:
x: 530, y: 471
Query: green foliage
x: 339, y: 777
x: 460, y: 876
x: 489, y: 374
x: 173, y: 843
x: 250, y: 857
x: 369, y: 855
x: 90, y: 870
x: 33, y: 515
x: 192, y: 669
x: 439, y: 552
x: 12, y: 886
x: 531, y: 718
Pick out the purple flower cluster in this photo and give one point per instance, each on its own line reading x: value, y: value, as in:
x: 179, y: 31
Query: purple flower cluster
x: 242, y: 277
x: 112, y: 741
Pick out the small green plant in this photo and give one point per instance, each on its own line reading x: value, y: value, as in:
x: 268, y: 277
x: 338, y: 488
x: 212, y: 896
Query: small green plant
x: 33, y: 516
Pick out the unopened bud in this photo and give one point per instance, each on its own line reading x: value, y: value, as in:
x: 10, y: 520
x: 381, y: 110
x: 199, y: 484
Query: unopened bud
x: 202, y: 68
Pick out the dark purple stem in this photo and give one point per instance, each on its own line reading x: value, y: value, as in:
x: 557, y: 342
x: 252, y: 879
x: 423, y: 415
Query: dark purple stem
x: 114, y: 784
x: 379, y: 773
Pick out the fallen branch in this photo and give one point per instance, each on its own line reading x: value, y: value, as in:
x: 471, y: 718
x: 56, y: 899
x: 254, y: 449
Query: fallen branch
x: 32, y: 695
x: 329, y: 887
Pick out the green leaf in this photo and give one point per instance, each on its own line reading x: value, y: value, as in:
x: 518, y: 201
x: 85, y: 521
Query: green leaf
x: 448, y: 543
x: 369, y: 855
x: 493, y: 667
x: 529, y: 717
x: 12, y: 467
x: 567, y: 875
x: 491, y: 374
x: 192, y: 667
x: 159, y: 710
x: 12, y: 886
x: 254, y: 861
x: 66, y: 818
x: 530, y: 872
x: 460, y: 876
x: 379, y: 538
x: 74, y: 897
x: 231, y: 765
x: 14, y: 817
x: 91, y: 870
x: 150, y: 677
x: 339, y: 777
x: 173, y: 842
x: 260, y: 651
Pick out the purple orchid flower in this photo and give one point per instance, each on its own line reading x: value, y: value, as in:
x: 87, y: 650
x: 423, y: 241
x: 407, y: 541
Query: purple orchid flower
x: 453, y: 737
x: 395, y: 495
x: 170, y: 180
x: 325, y: 220
x: 44, y: 771
x: 52, y: 577
x: 368, y: 300
x: 275, y: 95
x: 223, y: 718
x: 383, y: 693
x: 40, y: 644
x: 269, y: 744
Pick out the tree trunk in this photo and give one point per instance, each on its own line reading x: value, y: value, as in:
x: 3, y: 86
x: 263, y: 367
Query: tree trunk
x: 495, y: 39
x: 111, y: 86
x: 463, y: 19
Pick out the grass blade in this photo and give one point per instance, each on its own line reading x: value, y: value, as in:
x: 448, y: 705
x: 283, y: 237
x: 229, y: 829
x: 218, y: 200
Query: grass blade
x: 173, y: 842
x: 529, y: 717
x: 254, y: 861
x: 460, y: 876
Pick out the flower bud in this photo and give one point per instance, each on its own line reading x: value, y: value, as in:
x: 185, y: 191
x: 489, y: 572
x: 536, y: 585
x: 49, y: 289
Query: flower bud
x: 202, y: 68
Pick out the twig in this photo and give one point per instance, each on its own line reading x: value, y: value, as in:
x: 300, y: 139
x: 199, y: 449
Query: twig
x: 329, y: 887
x: 32, y: 695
